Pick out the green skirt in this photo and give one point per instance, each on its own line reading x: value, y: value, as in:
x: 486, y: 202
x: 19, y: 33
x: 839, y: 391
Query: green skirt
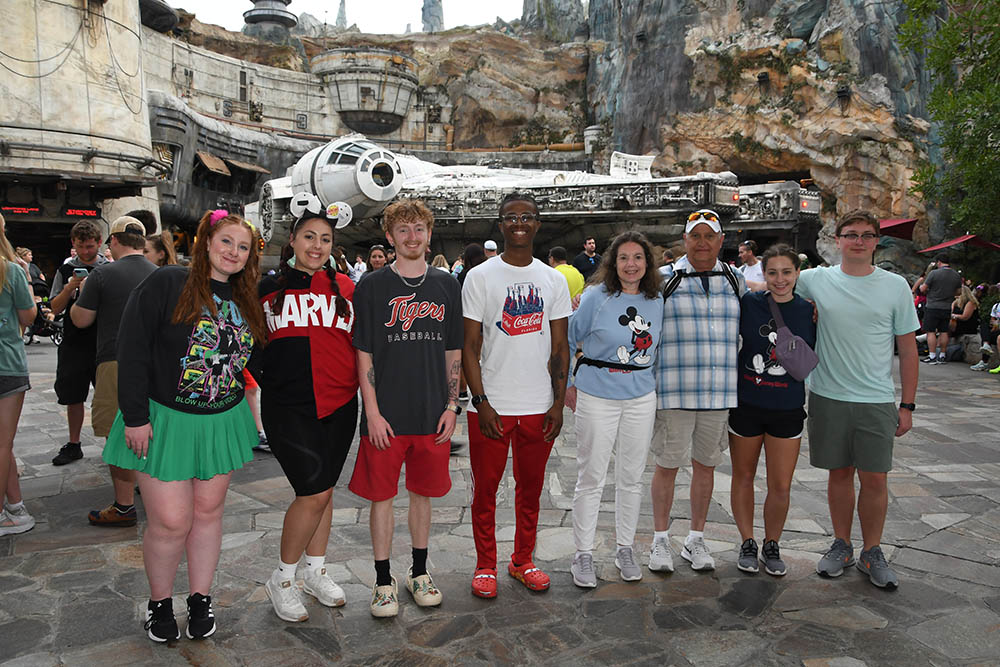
x: 187, y: 446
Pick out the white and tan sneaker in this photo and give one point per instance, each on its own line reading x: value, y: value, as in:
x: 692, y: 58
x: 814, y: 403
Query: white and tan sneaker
x: 285, y: 599
x: 321, y: 586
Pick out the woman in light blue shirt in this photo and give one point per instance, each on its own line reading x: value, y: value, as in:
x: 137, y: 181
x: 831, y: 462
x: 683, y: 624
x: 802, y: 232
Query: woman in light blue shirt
x: 617, y: 327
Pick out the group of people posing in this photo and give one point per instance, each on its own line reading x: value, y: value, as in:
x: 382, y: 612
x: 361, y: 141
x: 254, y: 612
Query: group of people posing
x: 681, y: 359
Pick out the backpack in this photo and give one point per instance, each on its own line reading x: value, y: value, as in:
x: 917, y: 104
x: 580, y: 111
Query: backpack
x: 674, y: 281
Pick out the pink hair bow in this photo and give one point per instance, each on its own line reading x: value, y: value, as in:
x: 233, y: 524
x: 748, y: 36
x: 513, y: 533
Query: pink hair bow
x: 217, y: 214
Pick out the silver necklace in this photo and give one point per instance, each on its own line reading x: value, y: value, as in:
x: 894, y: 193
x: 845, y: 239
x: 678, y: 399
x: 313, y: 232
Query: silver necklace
x: 411, y: 286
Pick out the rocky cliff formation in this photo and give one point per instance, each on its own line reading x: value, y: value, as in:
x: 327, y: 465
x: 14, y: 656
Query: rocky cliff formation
x: 558, y: 20
x: 236, y: 44
x: 432, y: 16
x: 805, y: 88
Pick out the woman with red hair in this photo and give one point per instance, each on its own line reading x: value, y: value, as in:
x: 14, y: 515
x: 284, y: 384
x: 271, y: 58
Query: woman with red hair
x: 186, y: 335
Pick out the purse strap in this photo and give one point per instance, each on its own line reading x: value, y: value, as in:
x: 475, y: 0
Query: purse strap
x: 775, y: 313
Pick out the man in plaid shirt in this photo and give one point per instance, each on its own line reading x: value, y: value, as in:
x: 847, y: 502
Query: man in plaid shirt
x: 695, y: 384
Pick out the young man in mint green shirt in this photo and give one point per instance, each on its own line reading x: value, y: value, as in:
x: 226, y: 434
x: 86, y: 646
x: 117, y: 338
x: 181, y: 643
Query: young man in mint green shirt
x: 853, y: 416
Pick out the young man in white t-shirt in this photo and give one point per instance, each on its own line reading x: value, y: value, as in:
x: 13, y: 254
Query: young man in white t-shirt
x: 516, y: 359
x: 752, y: 268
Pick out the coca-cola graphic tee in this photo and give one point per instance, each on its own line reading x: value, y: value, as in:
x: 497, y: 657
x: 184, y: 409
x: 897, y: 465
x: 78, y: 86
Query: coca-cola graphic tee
x: 407, y: 330
x: 515, y: 305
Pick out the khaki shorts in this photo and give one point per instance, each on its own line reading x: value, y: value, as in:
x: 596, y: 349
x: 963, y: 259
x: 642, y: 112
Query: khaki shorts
x: 846, y: 435
x: 104, y: 407
x: 682, y: 435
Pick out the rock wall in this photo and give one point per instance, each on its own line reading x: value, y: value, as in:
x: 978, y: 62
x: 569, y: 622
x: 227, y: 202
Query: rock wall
x: 558, y: 20
x: 815, y: 88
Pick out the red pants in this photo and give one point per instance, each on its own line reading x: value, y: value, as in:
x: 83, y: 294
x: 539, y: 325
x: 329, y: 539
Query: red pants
x: 523, y: 436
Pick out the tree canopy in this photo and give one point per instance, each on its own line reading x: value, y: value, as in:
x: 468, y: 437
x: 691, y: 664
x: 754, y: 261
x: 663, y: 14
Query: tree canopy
x: 962, y: 47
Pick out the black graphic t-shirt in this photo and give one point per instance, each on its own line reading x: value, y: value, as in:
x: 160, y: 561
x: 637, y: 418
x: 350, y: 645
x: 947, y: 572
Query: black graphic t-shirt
x: 191, y: 368
x: 407, y: 331
x: 763, y: 383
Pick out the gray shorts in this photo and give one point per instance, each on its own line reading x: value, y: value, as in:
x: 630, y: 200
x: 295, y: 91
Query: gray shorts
x: 680, y: 436
x: 845, y: 435
x: 13, y: 384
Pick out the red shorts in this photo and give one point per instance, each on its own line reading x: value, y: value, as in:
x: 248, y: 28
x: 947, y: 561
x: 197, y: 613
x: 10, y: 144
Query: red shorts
x: 248, y: 381
x: 376, y: 472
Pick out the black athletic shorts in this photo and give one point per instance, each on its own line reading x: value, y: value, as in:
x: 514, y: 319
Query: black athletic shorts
x: 76, y: 371
x: 310, y: 451
x: 936, y: 320
x: 749, y: 422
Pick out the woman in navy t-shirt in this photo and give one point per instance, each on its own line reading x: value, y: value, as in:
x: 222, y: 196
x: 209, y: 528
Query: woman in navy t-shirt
x: 769, y: 412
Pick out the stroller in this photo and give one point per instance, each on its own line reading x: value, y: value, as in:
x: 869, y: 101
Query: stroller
x: 45, y: 324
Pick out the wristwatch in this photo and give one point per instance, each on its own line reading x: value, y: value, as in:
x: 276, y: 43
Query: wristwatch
x: 454, y: 407
x: 478, y: 398
x: 909, y: 406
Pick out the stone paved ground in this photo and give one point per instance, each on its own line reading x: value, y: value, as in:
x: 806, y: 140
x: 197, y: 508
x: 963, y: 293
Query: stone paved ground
x: 73, y: 594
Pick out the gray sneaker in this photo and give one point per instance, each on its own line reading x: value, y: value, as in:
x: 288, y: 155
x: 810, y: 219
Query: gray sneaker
x: 840, y: 555
x: 747, y: 561
x: 770, y: 556
x: 583, y: 571
x: 627, y: 567
x: 696, y: 553
x: 872, y: 563
x: 660, y: 557
x: 980, y: 366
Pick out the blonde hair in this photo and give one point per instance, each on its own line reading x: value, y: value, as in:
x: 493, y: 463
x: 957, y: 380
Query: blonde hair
x: 6, y: 252
x: 407, y: 210
x: 440, y: 261
x: 965, y: 297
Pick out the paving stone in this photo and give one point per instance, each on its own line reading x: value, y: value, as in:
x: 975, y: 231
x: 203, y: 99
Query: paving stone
x: 77, y: 626
x: 888, y: 647
x: 842, y: 661
x: 717, y: 648
x: 12, y: 582
x: 940, y: 521
x: 807, y: 639
x: 686, y: 617
x: 850, y: 617
x: 23, y: 635
x: 550, y: 641
x: 749, y: 597
x: 959, y: 569
x: 405, y: 657
x: 434, y: 633
x: 967, y: 635
x: 320, y: 641
x: 40, y: 659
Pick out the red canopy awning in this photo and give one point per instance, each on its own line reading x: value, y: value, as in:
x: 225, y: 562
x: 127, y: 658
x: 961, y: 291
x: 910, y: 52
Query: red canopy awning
x: 971, y: 238
x: 901, y: 228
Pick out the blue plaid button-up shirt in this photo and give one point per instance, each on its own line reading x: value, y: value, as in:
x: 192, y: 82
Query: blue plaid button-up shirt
x: 696, y: 364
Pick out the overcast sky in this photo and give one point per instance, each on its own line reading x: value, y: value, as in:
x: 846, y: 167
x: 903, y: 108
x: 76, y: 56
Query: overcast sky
x: 373, y: 16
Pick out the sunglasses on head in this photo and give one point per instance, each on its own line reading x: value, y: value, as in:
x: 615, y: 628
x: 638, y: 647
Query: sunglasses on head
x: 707, y: 215
x: 378, y: 247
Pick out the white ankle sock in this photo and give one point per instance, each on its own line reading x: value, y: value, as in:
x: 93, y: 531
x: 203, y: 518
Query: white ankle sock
x: 665, y: 534
x: 315, y: 562
x: 17, y: 508
x: 286, y: 571
x: 693, y: 535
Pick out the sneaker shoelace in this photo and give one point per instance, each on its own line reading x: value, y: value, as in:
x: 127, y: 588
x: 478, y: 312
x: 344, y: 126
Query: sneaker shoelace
x: 626, y: 558
x: 289, y: 595
x: 748, y: 549
x: 586, y: 563
x: 160, y: 613
x: 771, y: 551
x: 660, y: 548
x: 876, y: 558
x: 697, y: 548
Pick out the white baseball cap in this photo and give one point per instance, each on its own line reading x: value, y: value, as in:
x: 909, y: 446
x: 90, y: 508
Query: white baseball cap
x: 703, y: 216
x: 490, y: 245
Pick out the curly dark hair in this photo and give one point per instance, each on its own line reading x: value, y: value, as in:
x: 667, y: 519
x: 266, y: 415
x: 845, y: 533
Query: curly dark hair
x: 607, y: 273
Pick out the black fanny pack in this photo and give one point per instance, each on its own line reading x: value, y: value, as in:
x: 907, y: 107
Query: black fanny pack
x: 587, y: 361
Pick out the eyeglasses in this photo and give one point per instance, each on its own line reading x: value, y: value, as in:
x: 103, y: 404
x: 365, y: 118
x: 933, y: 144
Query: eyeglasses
x: 707, y: 215
x: 525, y: 217
x: 851, y: 237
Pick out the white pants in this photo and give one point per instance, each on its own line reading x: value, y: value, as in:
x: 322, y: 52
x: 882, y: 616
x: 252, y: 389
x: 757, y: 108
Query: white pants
x: 602, y: 423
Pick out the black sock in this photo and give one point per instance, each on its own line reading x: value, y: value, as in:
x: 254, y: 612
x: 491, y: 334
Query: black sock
x: 123, y: 508
x: 419, y: 561
x: 382, y: 576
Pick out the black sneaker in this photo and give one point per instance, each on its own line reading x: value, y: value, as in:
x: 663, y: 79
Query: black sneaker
x: 71, y: 451
x: 160, y: 623
x: 201, y: 619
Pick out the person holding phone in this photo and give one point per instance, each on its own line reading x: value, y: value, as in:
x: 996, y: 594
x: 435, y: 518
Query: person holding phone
x: 76, y: 364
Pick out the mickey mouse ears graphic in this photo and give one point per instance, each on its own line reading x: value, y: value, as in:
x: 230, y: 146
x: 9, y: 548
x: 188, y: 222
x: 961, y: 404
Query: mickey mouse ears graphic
x: 306, y: 204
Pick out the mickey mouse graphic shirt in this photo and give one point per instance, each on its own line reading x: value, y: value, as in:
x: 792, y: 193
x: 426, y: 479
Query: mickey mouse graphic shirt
x: 616, y: 328
x: 763, y: 383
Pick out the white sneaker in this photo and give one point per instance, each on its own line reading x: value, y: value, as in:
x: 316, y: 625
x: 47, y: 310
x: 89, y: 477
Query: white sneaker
x: 981, y: 366
x: 660, y: 557
x: 285, y: 599
x: 317, y: 583
x: 14, y: 523
x: 985, y: 347
x: 696, y: 553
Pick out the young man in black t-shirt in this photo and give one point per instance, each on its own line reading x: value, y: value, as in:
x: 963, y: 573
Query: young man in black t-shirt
x: 408, y: 334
